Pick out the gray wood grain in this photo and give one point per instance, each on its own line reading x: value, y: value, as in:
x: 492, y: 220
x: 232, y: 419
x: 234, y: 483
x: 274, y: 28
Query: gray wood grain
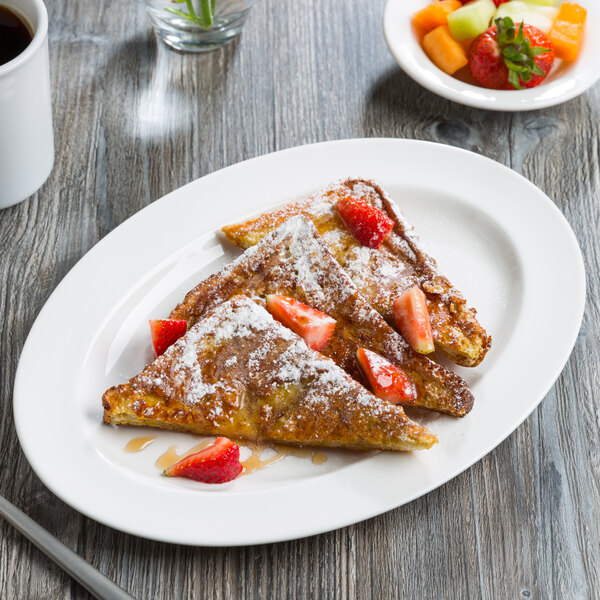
x: 134, y: 121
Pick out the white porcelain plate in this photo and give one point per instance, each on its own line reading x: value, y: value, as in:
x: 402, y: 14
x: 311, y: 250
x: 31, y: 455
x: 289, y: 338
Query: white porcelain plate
x: 496, y: 236
x: 564, y: 82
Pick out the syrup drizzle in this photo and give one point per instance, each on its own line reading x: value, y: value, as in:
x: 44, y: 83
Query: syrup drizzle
x: 255, y: 463
x: 139, y: 443
x: 170, y: 457
x: 319, y: 458
x: 251, y: 464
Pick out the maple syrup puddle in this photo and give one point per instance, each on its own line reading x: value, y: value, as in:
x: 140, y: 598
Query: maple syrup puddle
x: 319, y: 458
x: 139, y: 443
x: 255, y: 463
x: 170, y: 457
x: 251, y: 464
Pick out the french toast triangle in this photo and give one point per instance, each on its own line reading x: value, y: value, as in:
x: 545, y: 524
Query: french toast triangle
x: 382, y: 274
x: 294, y: 261
x: 241, y: 374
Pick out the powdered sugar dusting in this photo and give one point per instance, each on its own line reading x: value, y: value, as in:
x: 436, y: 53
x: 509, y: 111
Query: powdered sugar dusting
x: 308, y: 264
x: 179, y: 367
x: 277, y: 357
x: 373, y: 270
x: 322, y: 204
x: 295, y: 260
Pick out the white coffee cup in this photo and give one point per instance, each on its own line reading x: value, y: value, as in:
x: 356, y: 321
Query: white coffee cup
x: 26, y: 140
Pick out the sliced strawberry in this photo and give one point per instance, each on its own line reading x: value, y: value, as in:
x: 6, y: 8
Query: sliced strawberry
x: 412, y: 319
x: 309, y: 323
x: 387, y: 381
x: 218, y: 463
x: 165, y: 332
x: 368, y: 224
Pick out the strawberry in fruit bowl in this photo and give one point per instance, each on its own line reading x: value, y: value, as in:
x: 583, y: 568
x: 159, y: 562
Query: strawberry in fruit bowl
x: 507, y: 56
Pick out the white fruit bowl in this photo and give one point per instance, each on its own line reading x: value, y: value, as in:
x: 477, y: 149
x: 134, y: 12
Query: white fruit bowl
x: 565, y: 81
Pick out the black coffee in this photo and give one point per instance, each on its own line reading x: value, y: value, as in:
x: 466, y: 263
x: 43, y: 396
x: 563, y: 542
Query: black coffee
x: 15, y: 35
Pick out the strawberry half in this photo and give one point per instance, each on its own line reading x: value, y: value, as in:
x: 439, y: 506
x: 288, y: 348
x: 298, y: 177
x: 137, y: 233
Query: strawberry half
x: 218, y: 463
x: 369, y: 225
x: 309, y: 323
x: 165, y: 332
x: 505, y: 58
x: 412, y: 319
x: 387, y: 381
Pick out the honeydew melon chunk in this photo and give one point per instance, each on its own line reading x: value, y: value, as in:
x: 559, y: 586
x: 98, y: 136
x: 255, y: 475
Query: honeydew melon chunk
x: 543, y: 2
x: 471, y: 20
x: 536, y: 15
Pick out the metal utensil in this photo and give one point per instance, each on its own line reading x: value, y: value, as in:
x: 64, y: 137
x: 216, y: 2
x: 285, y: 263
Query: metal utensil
x: 91, y: 579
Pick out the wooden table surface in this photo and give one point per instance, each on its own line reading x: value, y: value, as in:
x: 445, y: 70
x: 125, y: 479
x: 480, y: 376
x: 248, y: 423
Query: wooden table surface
x: 134, y: 121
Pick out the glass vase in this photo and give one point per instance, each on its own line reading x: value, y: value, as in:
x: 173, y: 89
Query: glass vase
x: 197, y: 25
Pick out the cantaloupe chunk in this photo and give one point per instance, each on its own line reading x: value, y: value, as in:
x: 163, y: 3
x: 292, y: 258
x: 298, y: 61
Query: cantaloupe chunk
x: 434, y: 15
x: 567, y: 30
x: 444, y: 51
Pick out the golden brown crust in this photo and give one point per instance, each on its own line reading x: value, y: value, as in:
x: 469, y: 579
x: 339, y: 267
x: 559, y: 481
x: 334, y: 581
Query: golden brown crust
x: 240, y: 374
x: 382, y: 275
x: 295, y: 262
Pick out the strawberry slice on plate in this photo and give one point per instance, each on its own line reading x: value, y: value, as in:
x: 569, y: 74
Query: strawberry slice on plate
x: 369, y: 225
x: 507, y: 56
x: 218, y: 463
x: 412, y: 319
x: 312, y: 325
x: 165, y: 332
x: 387, y: 381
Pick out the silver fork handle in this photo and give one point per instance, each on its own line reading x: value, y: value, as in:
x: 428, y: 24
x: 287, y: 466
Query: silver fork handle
x: 92, y: 580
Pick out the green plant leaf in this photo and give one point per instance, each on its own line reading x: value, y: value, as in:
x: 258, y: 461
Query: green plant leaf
x: 205, y: 16
x: 206, y: 12
x: 182, y: 14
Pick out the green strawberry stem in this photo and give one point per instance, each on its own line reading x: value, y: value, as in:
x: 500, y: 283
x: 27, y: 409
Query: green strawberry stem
x: 204, y: 17
x: 518, y: 55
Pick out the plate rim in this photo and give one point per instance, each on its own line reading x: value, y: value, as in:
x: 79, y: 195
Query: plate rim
x: 156, y: 206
